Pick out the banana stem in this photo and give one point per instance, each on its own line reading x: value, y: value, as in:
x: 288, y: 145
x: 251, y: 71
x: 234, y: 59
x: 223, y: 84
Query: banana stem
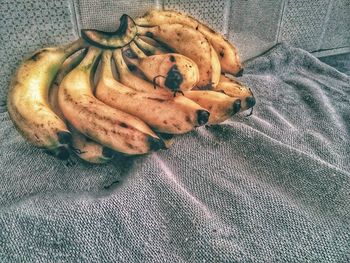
x: 106, y: 70
x: 74, y: 47
x: 68, y: 65
x: 139, y: 53
x: 120, y: 63
x: 92, y: 56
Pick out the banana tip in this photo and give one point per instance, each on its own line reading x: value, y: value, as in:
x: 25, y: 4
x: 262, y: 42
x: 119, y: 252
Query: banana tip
x: 250, y: 101
x: 202, y: 117
x: 156, y: 143
x: 107, y: 153
x: 236, y: 107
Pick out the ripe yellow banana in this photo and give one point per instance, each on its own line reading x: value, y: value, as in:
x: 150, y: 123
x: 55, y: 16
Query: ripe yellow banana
x: 175, y: 115
x: 172, y: 71
x: 108, y: 126
x: 85, y: 148
x: 220, y: 106
x: 28, y: 104
x: 191, y: 43
x: 129, y: 79
x: 236, y: 89
x: 227, y: 52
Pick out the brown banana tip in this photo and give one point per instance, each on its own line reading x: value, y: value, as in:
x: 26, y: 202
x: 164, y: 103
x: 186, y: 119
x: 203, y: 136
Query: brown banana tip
x: 250, y: 101
x: 240, y: 73
x: 107, y: 152
x: 62, y: 153
x: 64, y: 137
x: 156, y: 144
x: 236, y: 107
x: 202, y: 117
x: 166, y: 136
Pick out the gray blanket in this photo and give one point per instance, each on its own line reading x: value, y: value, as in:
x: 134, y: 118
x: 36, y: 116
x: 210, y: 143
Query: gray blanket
x: 272, y: 187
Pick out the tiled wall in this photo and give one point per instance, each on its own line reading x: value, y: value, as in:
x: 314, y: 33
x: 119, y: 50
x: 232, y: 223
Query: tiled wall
x: 253, y: 25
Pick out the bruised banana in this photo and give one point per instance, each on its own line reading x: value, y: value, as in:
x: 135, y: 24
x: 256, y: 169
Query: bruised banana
x: 85, y: 148
x: 28, y: 104
x: 173, y: 71
x: 175, y: 115
x: 133, y: 81
x: 228, y: 54
x: 220, y: 106
x: 192, y: 44
x: 236, y: 89
x: 110, y: 127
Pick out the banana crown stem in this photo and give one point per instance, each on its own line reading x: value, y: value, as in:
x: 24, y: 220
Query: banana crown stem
x: 74, y: 46
x: 92, y: 56
x: 106, y: 70
x: 139, y: 53
x: 69, y: 65
x: 120, y: 63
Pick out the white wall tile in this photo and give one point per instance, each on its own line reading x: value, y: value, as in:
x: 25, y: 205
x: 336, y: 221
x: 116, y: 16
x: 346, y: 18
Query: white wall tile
x: 105, y: 14
x: 337, y: 30
x: 303, y: 23
x: 210, y: 12
x: 254, y: 25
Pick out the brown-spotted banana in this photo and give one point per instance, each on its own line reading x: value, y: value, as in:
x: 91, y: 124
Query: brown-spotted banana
x: 85, y: 148
x: 28, y: 104
x: 236, y: 89
x: 173, y: 71
x: 192, y: 44
x: 175, y: 115
x: 133, y: 81
x: 220, y: 106
x: 227, y: 52
x: 110, y: 127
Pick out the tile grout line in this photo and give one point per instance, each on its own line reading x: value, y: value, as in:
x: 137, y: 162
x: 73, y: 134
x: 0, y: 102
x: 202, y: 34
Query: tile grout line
x: 325, y: 22
x: 76, y: 17
x: 280, y: 22
x: 227, y: 15
x: 158, y: 4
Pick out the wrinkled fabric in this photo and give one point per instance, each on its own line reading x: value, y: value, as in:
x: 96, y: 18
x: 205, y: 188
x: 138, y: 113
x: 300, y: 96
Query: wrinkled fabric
x: 272, y: 187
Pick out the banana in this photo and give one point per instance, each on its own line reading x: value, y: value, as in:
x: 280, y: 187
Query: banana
x: 220, y: 106
x: 129, y: 79
x: 227, y: 52
x: 215, y: 63
x: 173, y: 71
x: 175, y: 115
x: 188, y: 42
x: 236, y: 89
x: 28, y: 104
x: 149, y: 46
x: 110, y: 127
x: 120, y: 38
x: 84, y: 147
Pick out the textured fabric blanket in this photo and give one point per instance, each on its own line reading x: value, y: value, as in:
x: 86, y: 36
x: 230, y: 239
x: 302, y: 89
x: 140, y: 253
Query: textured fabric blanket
x: 272, y: 187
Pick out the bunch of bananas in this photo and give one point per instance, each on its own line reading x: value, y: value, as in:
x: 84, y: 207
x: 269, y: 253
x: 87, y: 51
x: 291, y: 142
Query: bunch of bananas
x: 127, y: 91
